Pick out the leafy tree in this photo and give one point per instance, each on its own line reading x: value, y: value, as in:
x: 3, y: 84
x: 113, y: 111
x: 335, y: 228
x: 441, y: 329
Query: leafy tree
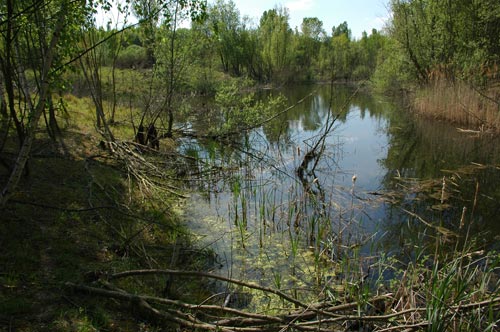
x: 340, y: 56
x: 366, y: 52
x: 225, y: 24
x: 275, y: 36
x: 251, y: 56
x: 393, y: 72
x: 308, y: 45
x: 447, y: 38
x: 312, y: 28
x: 342, y: 29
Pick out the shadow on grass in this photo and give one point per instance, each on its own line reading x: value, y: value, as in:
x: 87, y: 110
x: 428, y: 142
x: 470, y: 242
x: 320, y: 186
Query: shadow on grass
x: 75, y: 216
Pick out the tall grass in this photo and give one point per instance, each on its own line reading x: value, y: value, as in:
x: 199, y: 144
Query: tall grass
x: 457, y: 293
x: 459, y: 103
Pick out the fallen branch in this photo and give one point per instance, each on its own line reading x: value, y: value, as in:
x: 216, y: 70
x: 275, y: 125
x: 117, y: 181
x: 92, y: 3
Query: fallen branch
x: 241, y: 321
x: 212, y: 276
x: 261, y: 322
x: 315, y: 317
x: 140, y: 303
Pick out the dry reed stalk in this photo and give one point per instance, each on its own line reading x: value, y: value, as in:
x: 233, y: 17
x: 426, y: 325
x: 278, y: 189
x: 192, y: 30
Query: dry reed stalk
x: 459, y: 103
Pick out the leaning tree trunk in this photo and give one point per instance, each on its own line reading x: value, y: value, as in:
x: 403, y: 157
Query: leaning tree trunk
x: 35, y: 115
x: 8, y: 71
x: 4, y: 119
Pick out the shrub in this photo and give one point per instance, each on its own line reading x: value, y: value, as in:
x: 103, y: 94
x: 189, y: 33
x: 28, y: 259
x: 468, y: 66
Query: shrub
x: 393, y: 73
x: 132, y: 56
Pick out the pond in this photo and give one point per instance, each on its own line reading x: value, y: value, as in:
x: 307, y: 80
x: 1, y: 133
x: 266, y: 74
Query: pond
x: 380, y: 183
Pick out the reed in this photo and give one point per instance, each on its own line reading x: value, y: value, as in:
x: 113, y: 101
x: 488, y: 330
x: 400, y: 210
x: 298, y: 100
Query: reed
x: 319, y: 257
x: 461, y: 104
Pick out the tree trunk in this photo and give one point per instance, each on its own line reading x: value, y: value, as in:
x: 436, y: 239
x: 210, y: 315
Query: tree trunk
x: 35, y: 115
x: 4, y: 116
x: 8, y: 71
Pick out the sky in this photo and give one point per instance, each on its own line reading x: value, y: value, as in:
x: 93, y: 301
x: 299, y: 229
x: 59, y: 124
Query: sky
x: 360, y: 15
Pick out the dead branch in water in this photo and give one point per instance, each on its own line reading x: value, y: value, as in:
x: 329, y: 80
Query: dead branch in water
x: 316, y: 150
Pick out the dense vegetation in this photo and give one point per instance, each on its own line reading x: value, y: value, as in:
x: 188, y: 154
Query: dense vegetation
x: 270, y: 52
x: 86, y: 192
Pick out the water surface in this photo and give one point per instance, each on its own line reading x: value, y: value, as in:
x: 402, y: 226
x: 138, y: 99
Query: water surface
x: 269, y: 224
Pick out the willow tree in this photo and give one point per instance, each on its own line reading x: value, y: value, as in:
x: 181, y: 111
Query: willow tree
x: 308, y: 45
x: 451, y: 38
x: 275, y: 37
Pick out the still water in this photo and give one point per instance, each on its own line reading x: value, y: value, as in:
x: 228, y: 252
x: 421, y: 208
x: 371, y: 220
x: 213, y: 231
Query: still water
x: 381, y: 181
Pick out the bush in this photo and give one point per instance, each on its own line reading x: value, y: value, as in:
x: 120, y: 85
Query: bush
x: 132, y: 56
x: 393, y: 73
x: 361, y: 72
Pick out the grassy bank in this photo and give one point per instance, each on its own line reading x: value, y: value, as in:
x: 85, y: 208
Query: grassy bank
x: 82, y: 212
x: 461, y: 104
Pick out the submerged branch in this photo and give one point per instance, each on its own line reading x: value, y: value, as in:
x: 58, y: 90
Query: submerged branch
x: 317, y: 149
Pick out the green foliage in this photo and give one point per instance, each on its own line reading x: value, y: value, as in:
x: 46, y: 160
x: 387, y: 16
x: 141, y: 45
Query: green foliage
x: 224, y: 22
x: 133, y: 56
x: 312, y: 28
x: 239, y: 112
x: 270, y: 53
x: 275, y: 36
x: 393, y: 72
x: 306, y: 47
x: 341, y: 56
x: 235, y: 108
x: 342, y: 29
x: 440, y: 37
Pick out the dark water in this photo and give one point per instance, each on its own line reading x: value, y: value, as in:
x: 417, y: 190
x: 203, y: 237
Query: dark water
x: 262, y: 218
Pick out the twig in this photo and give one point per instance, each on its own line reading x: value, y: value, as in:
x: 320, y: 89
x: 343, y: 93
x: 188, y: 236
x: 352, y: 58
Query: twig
x: 244, y: 321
